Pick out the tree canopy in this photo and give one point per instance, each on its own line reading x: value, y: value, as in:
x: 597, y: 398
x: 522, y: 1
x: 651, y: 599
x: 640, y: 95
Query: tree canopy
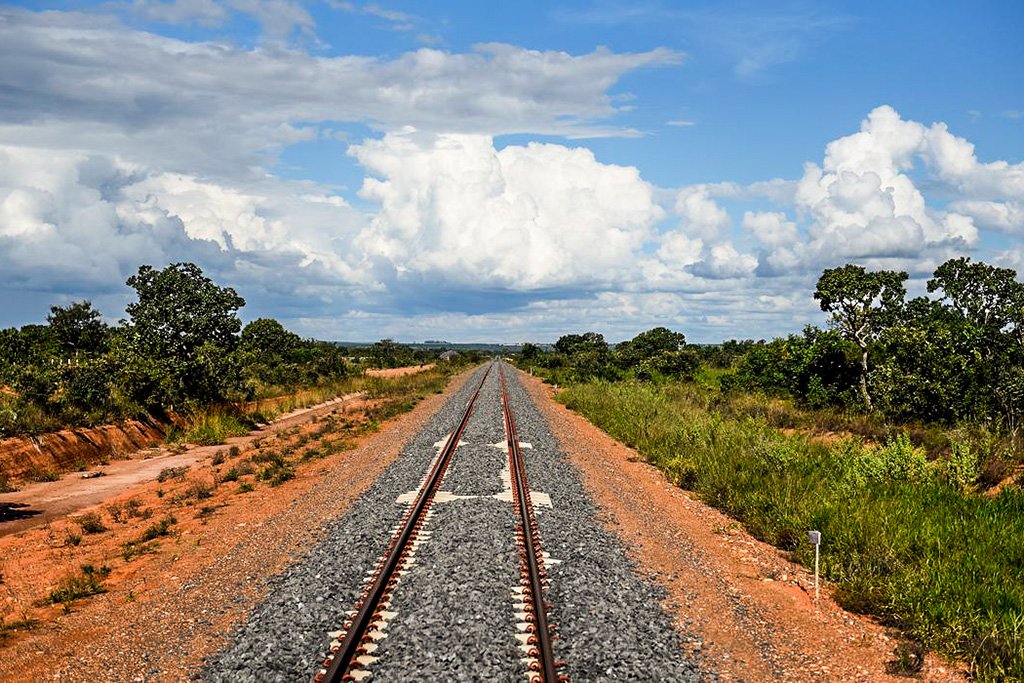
x: 179, y: 310
x: 862, y: 304
x: 78, y: 327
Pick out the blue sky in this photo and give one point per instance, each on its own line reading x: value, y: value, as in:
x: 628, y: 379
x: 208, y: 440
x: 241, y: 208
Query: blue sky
x: 473, y: 172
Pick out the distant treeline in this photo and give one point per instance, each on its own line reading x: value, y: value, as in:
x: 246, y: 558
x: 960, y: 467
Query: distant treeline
x: 182, y: 347
x: 388, y: 353
x: 955, y: 356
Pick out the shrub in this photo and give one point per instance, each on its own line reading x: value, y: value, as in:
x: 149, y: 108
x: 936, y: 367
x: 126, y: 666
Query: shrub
x: 960, y: 469
x: 133, y: 549
x: 158, y: 529
x: 116, y: 512
x: 143, y: 544
x: 199, y: 490
x: 240, y: 470
x: 82, y: 585
x: 91, y: 523
x: 277, y: 473
x: 897, y: 461
x: 168, y: 473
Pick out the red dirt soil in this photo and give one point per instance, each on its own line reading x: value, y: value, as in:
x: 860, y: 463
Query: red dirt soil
x: 68, y: 449
x: 39, y: 503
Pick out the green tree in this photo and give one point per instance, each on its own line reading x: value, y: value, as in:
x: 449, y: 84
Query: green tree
x: 529, y: 352
x: 185, y: 324
x: 268, y: 337
x: 385, y: 354
x: 180, y: 309
x: 657, y: 352
x: 651, y: 343
x: 78, y: 328
x: 587, y: 354
x: 570, y: 344
x: 986, y: 297
x: 862, y: 305
x: 983, y: 307
x: 270, y: 354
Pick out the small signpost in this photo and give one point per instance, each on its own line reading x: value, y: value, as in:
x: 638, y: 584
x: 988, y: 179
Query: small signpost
x: 815, y: 538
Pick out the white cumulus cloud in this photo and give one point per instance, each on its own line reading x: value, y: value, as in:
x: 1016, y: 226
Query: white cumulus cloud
x: 863, y: 203
x: 771, y: 228
x: 455, y: 209
x: 701, y: 215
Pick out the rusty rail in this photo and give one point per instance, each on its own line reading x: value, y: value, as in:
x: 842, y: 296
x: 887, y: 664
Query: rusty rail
x: 533, y: 575
x: 353, y: 644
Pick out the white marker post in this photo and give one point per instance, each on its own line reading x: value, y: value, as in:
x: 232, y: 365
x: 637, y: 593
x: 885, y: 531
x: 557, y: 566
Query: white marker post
x: 815, y: 538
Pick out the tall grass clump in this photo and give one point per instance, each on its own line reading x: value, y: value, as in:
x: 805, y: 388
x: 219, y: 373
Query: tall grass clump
x: 213, y: 426
x: 82, y: 585
x: 272, y: 402
x: 903, y: 537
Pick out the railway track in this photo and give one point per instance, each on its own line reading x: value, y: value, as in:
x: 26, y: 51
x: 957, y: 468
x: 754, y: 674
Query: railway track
x: 437, y: 570
x: 353, y: 648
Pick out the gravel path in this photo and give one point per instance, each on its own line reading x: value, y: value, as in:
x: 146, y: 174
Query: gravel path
x: 454, y: 609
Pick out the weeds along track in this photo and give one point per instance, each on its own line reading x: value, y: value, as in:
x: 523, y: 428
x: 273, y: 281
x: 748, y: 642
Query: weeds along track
x: 438, y: 572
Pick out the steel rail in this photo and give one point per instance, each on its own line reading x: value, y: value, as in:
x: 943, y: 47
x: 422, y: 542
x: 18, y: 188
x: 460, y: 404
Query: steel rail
x: 351, y: 647
x: 531, y: 539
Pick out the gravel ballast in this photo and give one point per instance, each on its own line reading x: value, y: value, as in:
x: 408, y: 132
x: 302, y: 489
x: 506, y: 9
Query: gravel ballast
x: 455, y: 618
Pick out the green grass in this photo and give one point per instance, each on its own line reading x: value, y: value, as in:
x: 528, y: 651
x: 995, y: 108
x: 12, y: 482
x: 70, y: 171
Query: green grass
x: 214, y: 425
x: 74, y: 586
x: 272, y: 402
x: 91, y: 523
x: 902, y: 538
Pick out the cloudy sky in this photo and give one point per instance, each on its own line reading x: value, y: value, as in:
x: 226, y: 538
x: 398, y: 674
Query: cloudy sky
x: 462, y: 171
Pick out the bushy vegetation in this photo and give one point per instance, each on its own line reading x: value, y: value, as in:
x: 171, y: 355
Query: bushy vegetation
x: 901, y: 539
x: 957, y: 357
x: 87, y: 582
x: 653, y: 355
x: 182, y: 351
